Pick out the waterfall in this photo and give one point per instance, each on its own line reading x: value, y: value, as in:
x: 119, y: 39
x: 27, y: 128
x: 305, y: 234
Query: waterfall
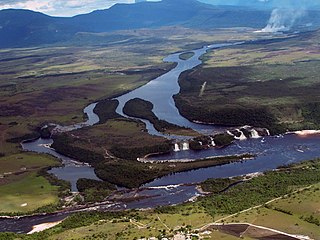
x: 200, y: 143
x: 176, y: 147
x: 255, y: 134
x: 203, y: 87
x: 268, y: 132
x: 230, y: 133
x: 185, y: 146
x: 242, y: 136
x: 212, y: 142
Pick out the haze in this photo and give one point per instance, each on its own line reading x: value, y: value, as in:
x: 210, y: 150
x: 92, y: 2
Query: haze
x: 75, y: 7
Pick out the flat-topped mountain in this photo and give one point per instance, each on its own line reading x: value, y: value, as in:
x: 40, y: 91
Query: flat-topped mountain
x: 19, y: 28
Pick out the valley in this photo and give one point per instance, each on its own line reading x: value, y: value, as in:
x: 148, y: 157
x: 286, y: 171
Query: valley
x: 162, y: 130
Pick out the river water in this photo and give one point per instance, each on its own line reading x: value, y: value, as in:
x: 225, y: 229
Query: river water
x: 72, y: 169
x: 271, y: 152
x: 161, y: 90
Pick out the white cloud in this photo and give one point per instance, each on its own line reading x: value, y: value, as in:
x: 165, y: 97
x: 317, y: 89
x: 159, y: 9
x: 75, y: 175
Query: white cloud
x: 61, y: 7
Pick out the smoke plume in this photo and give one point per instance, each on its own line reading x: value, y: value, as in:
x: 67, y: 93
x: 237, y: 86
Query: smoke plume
x: 283, y: 20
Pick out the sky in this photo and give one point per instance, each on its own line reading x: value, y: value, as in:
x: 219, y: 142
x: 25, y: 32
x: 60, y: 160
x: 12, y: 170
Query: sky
x: 75, y: 7
x: 61, y: 7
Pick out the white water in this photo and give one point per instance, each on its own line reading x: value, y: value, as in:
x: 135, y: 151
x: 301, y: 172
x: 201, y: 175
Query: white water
x: 185, y: 146
x: 242, y: 136
x: 176, y: 147
x: 268, y: 132
x: 255, y: 134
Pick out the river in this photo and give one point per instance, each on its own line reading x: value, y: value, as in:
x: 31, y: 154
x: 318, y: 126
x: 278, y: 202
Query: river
x: 271, y: 152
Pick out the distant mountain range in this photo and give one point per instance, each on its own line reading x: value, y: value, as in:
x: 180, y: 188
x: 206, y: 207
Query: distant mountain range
x: 269, y: 4
x: 20, y: 28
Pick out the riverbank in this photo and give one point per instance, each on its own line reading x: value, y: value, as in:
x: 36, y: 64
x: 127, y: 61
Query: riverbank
x: 124, y: 173
x: 139, y: 108
x: 266, y: 84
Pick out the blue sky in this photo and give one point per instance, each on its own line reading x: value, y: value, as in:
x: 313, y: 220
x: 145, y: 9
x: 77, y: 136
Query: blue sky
x: 74, y: 7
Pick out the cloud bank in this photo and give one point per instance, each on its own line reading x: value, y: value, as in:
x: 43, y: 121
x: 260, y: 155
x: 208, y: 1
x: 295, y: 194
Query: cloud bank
x: 74, y: 7
x: 61, y: 7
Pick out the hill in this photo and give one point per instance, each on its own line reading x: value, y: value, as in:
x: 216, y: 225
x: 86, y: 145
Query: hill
x: 23, y: 28
x: 28, y: 28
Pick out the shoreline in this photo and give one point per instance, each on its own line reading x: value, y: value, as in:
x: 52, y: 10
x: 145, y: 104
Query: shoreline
x: 245, y: 156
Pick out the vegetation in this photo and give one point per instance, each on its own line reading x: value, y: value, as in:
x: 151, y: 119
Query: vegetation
x: 218, y: 185
x: 44, y: 78
x: 122, y: 138
x: 132, y: 174
x: 269, y: 84
x: 133, y: 153
x: 262, y: 189
x: 220, y: 140
x: 25, y: 186
x: 259, y: 94
x: 140, y: 108
x: 63, y: 144
x: 93, y: 190
x: 27, y: 194
x: 289, y: 214
x: 186, y: 56
x: 106, y: 110
x: 130, y: 225
x: 74, y: 221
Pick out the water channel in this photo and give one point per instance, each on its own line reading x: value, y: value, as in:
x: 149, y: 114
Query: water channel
x: 271, y: 152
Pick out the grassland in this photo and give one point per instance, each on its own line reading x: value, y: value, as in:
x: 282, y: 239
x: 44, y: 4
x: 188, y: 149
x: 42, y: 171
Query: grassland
x: 262, y: 189
x: 285, y: 200
x: 27, y: 194
x: 25, y: 162
x: 293, y: 191
x: 21, y: 188
x: 289, y: 214
x: 268, y: 84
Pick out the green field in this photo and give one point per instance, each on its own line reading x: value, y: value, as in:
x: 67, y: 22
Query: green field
x: 290, y: 214
x: 21, y: 189
x: 25, y: 162
x: 27, y: 194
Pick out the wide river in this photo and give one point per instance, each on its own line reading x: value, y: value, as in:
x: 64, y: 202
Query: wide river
x: 271, y: 152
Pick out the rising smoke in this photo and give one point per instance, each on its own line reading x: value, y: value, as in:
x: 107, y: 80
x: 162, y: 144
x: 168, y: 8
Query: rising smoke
x: 283, y: 20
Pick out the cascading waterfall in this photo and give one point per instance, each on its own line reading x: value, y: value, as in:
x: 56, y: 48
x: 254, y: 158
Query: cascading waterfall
x: 255, y: 134
x: 185, y: 146
x: 203, y: 87
x: 268, y: 132
x: 230, y: 133
x: 176, y: 147
x: 212, y: 142
x: 242, y: 136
